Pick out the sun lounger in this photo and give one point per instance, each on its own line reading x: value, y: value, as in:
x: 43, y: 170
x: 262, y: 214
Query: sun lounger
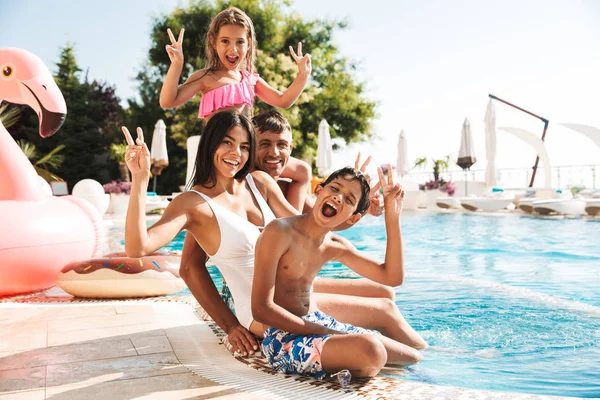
x: 592, y: 206
x: 573, y: 206
x: 495, y: 200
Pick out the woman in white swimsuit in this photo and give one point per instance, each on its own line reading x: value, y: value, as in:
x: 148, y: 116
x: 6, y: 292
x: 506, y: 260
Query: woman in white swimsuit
x: 225, y: 210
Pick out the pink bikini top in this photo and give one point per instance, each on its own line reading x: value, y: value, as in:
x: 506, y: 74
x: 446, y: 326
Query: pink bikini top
x: 241, y: 92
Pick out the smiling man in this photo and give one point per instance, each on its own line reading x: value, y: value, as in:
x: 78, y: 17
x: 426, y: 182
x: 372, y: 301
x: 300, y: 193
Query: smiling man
x: 274, y: 138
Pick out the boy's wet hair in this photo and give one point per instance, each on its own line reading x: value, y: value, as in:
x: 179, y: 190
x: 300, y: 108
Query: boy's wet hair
x: 352, y: 174
x: 229, y: 16
x: 213, y: 135
x: 271, y: 121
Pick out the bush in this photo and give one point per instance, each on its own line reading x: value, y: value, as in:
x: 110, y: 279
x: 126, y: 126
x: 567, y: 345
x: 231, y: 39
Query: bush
x: 444, y: 186
x: 117, y: 187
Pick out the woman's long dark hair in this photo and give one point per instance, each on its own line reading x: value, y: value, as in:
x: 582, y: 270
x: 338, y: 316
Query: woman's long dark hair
x: 214, y: 133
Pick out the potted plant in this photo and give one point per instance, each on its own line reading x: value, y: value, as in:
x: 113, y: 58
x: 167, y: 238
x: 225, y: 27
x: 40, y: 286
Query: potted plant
x: 117, y: 153
x: 119, y: 196
x: 437, y: 187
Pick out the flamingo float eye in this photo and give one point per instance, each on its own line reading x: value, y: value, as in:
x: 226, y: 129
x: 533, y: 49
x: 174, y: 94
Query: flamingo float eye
x: 7, y: 71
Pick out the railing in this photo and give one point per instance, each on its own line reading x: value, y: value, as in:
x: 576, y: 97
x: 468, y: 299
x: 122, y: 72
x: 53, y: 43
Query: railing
x: 562, y: 176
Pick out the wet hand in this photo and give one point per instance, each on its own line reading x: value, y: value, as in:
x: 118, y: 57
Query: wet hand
x: 393, y: 195
x: 303, y: 61
x: 137, y: 155
x: 175, y: 49
x: 240, y: 340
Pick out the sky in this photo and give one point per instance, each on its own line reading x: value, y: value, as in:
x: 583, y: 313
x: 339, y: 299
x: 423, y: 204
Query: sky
x: 428, y: 64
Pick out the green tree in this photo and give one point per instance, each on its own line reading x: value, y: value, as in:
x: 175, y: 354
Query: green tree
x: 333, y: 92
x: 43, y: 164
x: 94, y: 117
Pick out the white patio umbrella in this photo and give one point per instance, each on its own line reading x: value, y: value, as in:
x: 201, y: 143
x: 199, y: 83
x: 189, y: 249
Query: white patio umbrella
x: 466, y: 153
x: 402, y: 166
x: 490, y: 144
x: 159, y: 158
x: 324, y: 149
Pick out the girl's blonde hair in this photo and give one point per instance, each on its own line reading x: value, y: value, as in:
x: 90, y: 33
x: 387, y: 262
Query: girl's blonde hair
x: 229, y: 16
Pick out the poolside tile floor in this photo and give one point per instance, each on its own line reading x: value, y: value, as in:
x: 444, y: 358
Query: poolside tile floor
x: 156, y: 349
x: 95, y: 351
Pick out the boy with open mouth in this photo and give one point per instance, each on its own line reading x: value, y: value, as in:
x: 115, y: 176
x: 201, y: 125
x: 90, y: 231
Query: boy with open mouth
x: 289, y: 254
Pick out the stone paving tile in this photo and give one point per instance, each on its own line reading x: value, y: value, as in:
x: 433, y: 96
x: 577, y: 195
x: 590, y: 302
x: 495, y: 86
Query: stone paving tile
x: 22, y: 379
x: 22, y: 328
x: 19, y: 314
x: 24, y: 395
x: 25, y: 341
x: 176, y: 386
x: 117, y: 368
x: 96, y: 322
x: 132, y: 308
x: 104, y: 334
x: 63, y: 313
x: 68, y: 353
x: 151, y: 345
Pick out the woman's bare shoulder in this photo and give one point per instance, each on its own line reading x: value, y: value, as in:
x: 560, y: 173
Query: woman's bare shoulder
x: 189, y: 202
x: 264, y: 180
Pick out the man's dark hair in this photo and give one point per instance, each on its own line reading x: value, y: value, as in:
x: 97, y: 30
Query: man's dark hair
x: 271, y: 121
x: 352, y: 174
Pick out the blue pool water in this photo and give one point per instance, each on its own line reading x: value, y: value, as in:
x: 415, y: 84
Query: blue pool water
x: 507, y: 303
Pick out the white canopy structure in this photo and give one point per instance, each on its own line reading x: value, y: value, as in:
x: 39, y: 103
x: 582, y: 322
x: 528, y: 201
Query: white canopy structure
x: 591, y: 132
x: 535, y: 142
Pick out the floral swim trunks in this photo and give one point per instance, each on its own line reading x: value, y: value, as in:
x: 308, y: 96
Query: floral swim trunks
x: 291, y: 353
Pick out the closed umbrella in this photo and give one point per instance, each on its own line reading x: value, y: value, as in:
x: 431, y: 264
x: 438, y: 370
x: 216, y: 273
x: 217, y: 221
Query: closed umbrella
x: 159, y: 158
x: 490, y: 144
x: 324, y: 149
x: 466, y: 154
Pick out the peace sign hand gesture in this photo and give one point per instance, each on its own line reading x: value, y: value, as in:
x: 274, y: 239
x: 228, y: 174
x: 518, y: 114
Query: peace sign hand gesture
x: 375, y: 198
x: 304, y: 62
x: 137, y: 155
x: 393, y: 195
x: 175, y: 49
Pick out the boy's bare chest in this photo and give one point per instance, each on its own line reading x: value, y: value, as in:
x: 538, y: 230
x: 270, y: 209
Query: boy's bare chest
x: 302, y: 261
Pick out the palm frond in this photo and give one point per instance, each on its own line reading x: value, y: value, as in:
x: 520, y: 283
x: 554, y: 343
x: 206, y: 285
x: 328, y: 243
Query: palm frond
x: 420, y: 162
x: 52, y: 160
x: 8, y: 116
x: 28, y: 148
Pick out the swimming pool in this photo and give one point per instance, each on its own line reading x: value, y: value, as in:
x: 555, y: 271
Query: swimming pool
x: 507, y: 303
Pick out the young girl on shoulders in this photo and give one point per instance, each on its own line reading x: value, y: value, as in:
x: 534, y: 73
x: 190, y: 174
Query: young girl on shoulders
x: 229, y: 81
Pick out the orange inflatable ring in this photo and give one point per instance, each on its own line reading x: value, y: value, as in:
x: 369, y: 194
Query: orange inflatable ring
x: 118, y: 276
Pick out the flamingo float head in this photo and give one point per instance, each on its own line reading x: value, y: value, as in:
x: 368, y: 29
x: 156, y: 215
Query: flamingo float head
x: 24, y: 79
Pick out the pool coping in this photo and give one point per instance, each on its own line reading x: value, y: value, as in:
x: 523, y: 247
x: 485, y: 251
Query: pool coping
x: 199, y: 349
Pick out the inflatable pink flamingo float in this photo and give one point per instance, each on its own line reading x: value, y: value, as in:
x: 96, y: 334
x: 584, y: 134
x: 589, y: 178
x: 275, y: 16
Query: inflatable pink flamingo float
x: 39, y: 233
